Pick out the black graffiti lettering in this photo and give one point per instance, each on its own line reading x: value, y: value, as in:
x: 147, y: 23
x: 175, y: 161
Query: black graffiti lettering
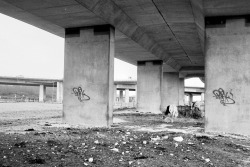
x: 79, y: 92
x: 224, y: 97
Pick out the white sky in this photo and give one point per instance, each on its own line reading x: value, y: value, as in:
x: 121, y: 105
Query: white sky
x: 31, y: 52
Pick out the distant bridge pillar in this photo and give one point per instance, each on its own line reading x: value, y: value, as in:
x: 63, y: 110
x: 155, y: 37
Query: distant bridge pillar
x: 227, y: 77
x: 149, y: 86
x: 202, y: 96
x: 59, y: 92
x: 172, y: 90
x: 126, y: 95
x: 115, y: 93
x: 121, y: 96
x: 181, y: 92
x: 42, y: 93
x: 89, y: 76
x: 191, y: 98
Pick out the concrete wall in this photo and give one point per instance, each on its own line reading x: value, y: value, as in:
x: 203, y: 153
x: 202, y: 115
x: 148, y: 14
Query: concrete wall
x: 89, y: 64
x: 149, y: 78
x: 227, y: 78
x: 171, y: 89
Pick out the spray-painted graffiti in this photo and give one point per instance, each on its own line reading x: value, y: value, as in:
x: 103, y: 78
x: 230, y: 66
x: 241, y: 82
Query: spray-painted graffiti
x: 224, y: 97
x: 80, y: 94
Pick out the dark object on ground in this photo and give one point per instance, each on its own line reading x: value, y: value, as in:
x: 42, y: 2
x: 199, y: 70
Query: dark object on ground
x: 36, y: 161
x: 21, y: 144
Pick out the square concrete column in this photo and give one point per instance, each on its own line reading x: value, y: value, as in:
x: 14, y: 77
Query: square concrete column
x: 227, y: 98
x: 181, y: 92
x: 121, y: 95
x: 42, y: 93
x: 59, y: 92
x: 202, y: 96
x: 149, y: 79
x: 126, y: 95
x: 89, y: 76
x: 191, y: 97
x: 115, y: 93
x: 172, y: 90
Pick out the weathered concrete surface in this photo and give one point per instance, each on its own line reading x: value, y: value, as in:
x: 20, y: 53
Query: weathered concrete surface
x: 181, y: 91
x: 126, y: 95
x: 121, y: 95
x: 89, y: 65
x: 149, y: 80
x: 172, y: 90
x: 59, y: 92
x: 227, y: 102
x: 172, y: 31
x: 42, y: 93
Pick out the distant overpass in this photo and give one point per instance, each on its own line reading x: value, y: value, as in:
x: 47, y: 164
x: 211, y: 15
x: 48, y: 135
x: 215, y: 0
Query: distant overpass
x: 41, y: 82
x: 127, y: 85
x: 29, y: 81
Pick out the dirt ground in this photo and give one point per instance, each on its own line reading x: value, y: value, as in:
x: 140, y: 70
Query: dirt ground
x: 32, y: 134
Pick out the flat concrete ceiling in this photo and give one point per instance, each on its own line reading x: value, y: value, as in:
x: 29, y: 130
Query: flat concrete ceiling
x: 168, y: 30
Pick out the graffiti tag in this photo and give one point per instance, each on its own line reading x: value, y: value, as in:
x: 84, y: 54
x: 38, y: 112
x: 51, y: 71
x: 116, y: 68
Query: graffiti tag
x: 79, y: 92
x: 224, y: 97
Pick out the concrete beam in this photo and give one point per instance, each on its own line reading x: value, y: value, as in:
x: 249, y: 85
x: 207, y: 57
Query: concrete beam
x: 111, y: 13
x: 198, y: 8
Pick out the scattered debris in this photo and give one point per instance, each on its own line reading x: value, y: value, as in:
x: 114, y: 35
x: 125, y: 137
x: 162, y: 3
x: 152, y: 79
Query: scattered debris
x: 115, y: 149
x: 31, y: 129
x: 178, y: 139
x: 165, y: 145
x: 91, y: 159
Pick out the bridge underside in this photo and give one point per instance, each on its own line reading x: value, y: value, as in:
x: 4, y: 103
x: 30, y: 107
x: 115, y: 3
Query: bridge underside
x: 160, y: 36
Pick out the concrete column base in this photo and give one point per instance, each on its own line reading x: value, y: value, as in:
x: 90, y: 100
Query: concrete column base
x: 172, y: 90
x: 227, y: 66
x: 89, y: 76
x: 149, y: 86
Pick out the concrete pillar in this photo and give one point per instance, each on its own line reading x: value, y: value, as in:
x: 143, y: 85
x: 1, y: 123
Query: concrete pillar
x: 89, y: 76
x: 59, y: 92
x: 136, y: 95
x: 149, y: 79
x: 42, y: 93
x: 181, y: 92
x: 121, y: 95
x: 202, y: 96
x: 115, y: 93
x: 126, y: 95
x: 227, y: 66
x: 172, y: 90
x: 191, y: 98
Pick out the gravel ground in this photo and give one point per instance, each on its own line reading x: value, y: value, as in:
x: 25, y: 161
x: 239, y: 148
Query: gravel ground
x: 32, y: 134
